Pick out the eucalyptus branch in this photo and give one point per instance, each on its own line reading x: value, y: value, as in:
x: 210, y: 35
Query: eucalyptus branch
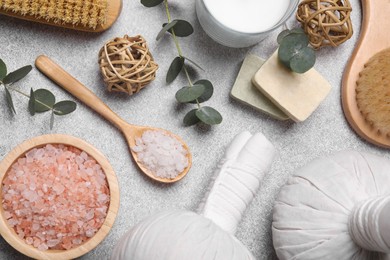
x: 40, y: 100
x: 28, y: 96
x: 196, y: 92
x: 173, y: 31
x: 294, y: 52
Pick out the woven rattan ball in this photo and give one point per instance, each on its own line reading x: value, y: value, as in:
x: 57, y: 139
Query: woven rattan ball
x: 326, y: 22
x: 127, y: 64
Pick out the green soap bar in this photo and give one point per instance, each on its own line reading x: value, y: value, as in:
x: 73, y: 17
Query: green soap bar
x: 243, y: 90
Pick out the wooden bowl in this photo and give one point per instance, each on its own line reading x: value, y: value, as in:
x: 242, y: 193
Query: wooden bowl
x: 19, y: 244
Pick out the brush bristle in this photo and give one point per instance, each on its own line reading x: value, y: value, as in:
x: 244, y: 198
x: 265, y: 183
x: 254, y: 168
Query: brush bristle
x: 373, y: 92
x: 87, y: 13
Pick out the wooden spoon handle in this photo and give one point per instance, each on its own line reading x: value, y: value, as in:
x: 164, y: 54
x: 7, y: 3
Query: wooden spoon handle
x: 73, y: 86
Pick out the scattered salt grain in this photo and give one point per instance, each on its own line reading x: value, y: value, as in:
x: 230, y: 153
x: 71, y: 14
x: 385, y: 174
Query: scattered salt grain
x: 161, y: 153
x: 43, y: 247
x: 55, y: 197
x: 53, y: 242
x: 29, y: 240
x: 89, y: 233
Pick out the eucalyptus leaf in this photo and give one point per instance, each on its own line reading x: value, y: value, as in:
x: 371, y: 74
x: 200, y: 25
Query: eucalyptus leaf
x: 294, y: 52
x: 194, y: 63
x: 31, y: 102
x: 3, y: 70
x: 282, y: 34
x: 191, y: 118
x: 64, y: 107
x: 174, y: 69
x: 209, y: 115
x: 297, y: 30
x: 166, y: 27
x: 303, y: 61
x: 17, y: 74
x: 290, y: 46
x: 10, y: 102
x: 208, y: 90
x: 151, y: 3
x: 181, y: 28
x: 51, y: 120
x: 44, y: 100
x: 188, y: 94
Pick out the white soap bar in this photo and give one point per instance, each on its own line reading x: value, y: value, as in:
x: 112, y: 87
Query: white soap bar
x: 297, y: 95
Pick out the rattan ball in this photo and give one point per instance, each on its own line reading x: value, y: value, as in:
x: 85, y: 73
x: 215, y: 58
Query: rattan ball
x: 326, y: 22
x: 127, y: 64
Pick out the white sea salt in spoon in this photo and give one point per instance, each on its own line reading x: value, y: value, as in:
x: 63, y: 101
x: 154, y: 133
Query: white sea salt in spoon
x: 164, y: 155
x: 131, y: 132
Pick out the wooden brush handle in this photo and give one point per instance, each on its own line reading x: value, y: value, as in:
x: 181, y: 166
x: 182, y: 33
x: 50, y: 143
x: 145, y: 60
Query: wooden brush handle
x: 73, y: 86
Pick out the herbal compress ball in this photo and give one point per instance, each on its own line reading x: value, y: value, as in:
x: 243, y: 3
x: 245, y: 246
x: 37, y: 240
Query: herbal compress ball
x: 209, y: 235
x: 336, y: 207
x: 127, y: 64
x: 157, y: 238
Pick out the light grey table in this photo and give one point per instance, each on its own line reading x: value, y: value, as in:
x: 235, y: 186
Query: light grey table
x: 325, y: 132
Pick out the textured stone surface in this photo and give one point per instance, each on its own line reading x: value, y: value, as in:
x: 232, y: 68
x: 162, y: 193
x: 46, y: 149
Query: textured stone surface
x: 324, y: 132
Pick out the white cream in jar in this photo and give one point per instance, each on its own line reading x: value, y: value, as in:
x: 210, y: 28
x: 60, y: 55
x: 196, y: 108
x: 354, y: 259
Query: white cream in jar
x: 248, y: 16
x: 242, y: 23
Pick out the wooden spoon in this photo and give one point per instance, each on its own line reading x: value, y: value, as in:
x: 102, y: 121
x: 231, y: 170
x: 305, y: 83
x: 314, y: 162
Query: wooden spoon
x: 131, y: 132
x: 373, y: 38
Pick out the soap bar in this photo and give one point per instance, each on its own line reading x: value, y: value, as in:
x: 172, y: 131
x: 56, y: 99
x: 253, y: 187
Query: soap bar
x: 298, y: 95
x: 244, y: 91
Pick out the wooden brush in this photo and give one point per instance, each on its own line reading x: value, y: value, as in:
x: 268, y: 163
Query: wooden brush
x: 84, y: 15
x: 365, y: 84
x: 373, y: 93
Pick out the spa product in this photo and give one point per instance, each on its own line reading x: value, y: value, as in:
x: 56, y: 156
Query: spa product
x: 179, y: 234
x: 297, y: 95
x: 131, y: 132
x: 327, y: 23
x: 337, y: 207
x: 244, y: 91
x: 372, y: 40
x: 26, y: 152
x: 237, y: 23
x: 372, y: 92
x: 89, y: 15
x: 161, y: 154
x: 250, y: 16
x: 55, y: 197
x: 127, y: 64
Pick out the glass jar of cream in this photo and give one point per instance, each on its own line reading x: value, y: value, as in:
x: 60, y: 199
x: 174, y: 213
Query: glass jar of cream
x: 242, y: 23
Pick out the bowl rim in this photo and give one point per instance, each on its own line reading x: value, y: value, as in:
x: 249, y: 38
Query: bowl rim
x: 291, y: 9
x: 19, y: 244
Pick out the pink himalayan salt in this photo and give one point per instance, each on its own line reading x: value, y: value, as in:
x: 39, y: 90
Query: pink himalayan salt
x: 55, y: 197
